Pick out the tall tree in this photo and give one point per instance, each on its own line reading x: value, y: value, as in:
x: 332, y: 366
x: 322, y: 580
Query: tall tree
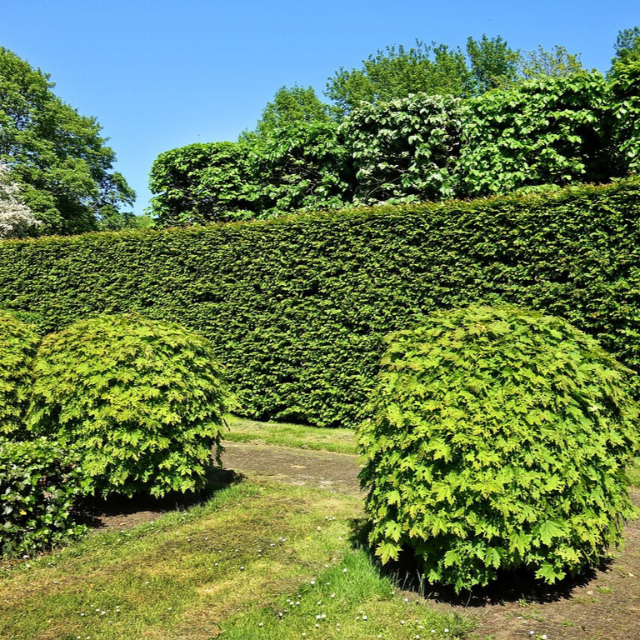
x: 59, y: 158
x: 290, y: 106
x: 556, y: 62
x: 396, y: 72
x: 492, y: 63
x: 436, y: 69
x: 627, y: 48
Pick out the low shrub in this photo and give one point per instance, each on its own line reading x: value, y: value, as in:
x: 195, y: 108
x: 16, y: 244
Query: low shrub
x: 18, y: 346
x: 39, y: 483
x: 141, y: 401
x: 498, y: 438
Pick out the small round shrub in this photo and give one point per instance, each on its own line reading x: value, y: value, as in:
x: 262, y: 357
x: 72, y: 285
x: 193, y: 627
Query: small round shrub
x: 142, y: 401
x: 39, y: 484
x: 18, y: 346
x: 497, y: 438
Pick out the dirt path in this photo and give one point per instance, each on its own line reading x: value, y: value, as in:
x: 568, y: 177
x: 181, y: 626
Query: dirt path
x: 601, y: 606
x: 333, y: 471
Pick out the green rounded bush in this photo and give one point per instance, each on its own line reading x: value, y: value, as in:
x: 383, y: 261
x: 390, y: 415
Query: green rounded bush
x: 18, y: 346
x: 497, y: 438
x: 142, y: 401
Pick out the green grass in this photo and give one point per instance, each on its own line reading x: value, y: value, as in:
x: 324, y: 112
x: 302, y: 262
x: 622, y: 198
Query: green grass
x: 634, y: 474
x: 292, y: 435
x: 227, y: 565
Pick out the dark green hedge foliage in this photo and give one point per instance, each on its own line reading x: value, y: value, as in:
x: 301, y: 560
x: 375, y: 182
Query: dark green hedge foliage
x: 39, y: 483
x: 141, y: 401
x: 495, y: 439
x: 18, y: 346
x: 296, y: 308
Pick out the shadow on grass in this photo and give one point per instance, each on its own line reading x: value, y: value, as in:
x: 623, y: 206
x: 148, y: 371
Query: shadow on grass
x: 509, y: 586
x: 97, y: 512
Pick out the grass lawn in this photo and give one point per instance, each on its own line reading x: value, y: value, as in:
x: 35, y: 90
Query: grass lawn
x: 291, y: 435
x: 260, y: 561
x: 634, y: 474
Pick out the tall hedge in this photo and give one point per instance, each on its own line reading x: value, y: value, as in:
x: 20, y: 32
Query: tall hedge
x: 297, y: 307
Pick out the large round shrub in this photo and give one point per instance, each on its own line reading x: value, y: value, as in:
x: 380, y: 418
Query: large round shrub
x: 498, y: 438
x: 142, y: 401
x: 18, y: 346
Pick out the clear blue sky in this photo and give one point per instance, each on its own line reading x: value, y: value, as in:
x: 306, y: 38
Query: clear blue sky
x: 159, y: 74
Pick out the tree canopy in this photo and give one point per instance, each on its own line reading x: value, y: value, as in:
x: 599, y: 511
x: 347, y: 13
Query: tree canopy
x: 627, y: 47
x: 426, y: 123
x: 290, y: 106
x: 556, y: 62
x: 436, y: 69
x: 57, y: 156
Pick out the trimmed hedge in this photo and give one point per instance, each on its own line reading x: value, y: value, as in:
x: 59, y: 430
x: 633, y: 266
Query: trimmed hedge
x: 498, y: 438
x: 297, y: 307
x: 39, y: 484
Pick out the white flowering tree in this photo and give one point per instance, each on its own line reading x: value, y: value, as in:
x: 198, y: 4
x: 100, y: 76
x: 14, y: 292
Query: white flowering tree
x: 16, y: 219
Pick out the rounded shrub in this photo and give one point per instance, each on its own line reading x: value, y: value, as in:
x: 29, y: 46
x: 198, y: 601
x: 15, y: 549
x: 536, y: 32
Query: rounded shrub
x: 497, y: 438
x: 141, y: 401
x: 18, y: 346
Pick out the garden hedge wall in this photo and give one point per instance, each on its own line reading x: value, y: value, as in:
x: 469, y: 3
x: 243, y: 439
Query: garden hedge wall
x: 297, y: 306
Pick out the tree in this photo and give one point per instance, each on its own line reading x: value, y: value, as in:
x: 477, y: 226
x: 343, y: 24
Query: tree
x: 627, y: 48
x: 16, y: 219
x: 57, y: 156
x: 492, y: 63
x: 289, y: 106
x: 404, y: 150
x: 433, y: 69
x: 557, y: 63
x: 398, y: 72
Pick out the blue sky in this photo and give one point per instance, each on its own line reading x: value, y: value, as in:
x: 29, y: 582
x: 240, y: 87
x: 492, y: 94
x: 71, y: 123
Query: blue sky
x: 159, y: 74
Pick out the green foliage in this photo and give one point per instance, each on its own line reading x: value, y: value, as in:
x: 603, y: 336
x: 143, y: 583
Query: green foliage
x: 289, y: 106
x: 297, y: 307
x: 498, y: 438
x: 627, y: 48
x: 39, y: 484
x: 625, y: 88
x: 303, y: 165
x: 404, y: 150
x: 397, y: 72
x: 141, y: 401
x: 546, y: 131
x: 202, y: 183
x: 436, y: 69
x: 540, y: 63
x: 552, y: 130
x: 56, y: 155
x: 18, y: 346
x: 492, y: 63
x: 300, y: 167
